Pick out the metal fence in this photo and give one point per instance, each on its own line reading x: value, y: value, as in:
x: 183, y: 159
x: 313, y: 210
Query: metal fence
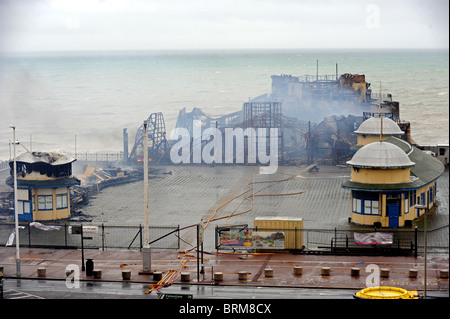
x: 236, y: 238
x: 313, y: 78
x: 97, y: 157
x: 4, y: 165
x: 99, y: 236
x: 83, y: 157
x: 324, y: 241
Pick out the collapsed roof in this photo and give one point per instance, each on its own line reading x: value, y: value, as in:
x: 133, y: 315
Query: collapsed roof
x: 51, y: 158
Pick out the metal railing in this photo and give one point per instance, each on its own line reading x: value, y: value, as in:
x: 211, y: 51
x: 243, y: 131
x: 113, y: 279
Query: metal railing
x: 98, y: 236
x: 97, y: 157
x: 83, y: 157
x: 325, y: 241
x: 236, y: 238
x: 4, y: 165
x: 314, y: 78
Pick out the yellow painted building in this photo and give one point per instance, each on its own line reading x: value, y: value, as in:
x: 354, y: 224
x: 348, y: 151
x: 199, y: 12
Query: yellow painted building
x: 388, y: 179
x: 43, y: 185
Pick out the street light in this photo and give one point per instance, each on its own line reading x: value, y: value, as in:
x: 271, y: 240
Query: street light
x: 425, y: 243
x: 16, y: 217
x: 146, y: 254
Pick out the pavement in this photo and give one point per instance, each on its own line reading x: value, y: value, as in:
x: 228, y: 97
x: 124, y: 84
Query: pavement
x: 172, y: 263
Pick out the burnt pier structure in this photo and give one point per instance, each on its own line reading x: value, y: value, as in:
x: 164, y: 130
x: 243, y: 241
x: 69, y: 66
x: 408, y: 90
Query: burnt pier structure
x: 315, y: 116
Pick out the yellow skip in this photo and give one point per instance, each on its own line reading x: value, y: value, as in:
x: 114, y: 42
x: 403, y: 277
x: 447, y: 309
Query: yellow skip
x: 386, y: 293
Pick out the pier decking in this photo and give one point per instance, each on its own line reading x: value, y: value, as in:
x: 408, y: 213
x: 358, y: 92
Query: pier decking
x: 193, y: 193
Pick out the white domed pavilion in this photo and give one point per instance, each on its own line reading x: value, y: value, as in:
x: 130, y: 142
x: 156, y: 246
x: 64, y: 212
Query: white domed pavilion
x: 389, y: 177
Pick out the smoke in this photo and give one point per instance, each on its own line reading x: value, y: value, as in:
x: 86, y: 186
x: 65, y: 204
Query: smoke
x: 316, y: 112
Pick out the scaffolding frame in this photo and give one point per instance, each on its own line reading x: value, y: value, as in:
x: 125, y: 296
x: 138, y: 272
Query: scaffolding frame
x: 265, y: 115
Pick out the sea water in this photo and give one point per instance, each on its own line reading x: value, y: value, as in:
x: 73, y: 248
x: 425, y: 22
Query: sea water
x: 84, y: 100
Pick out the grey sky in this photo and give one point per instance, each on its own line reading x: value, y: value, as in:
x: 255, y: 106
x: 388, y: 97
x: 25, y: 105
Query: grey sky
x: 33, y: 25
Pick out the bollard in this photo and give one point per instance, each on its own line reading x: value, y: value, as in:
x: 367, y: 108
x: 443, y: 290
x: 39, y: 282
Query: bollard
x: 384, y: 272
x: 89, y: 267
x: 298, y: 270
x: 185, y: 276
x: 443, y: 273
x: 157, y: 275
x: 126, y: 274
x: 97, y: 273
x: 242, y: 275
x: 218, y: 276
x: 354, y: 272
x: 41, y: 272
x: 325, y: 271
x: 268, y: 272
x: 413, y: 273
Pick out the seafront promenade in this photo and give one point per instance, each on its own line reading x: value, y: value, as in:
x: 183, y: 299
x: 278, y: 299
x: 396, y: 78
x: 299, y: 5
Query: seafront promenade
x: 264, y: 270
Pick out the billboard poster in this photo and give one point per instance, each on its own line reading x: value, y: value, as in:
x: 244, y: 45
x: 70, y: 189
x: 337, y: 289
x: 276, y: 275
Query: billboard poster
x: 251, y: 239
x: 373, y: 238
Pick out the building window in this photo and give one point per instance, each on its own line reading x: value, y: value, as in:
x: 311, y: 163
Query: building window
x: 421, y: 200
x: 61, y: 201
x: 366, y: 203
x: 435, y: 189
x: 370, y: 207
x: 432, y: 193
x: 23, y: 207
x: 26, y: 207
x: 412, y: 195
x: 45, y: 202
x: 406, y: 202
x: 356, y: 205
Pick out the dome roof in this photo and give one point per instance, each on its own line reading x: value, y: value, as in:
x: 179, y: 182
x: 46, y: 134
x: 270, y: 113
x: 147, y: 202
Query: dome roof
x: 380, y: 155
x: 371, y: 126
